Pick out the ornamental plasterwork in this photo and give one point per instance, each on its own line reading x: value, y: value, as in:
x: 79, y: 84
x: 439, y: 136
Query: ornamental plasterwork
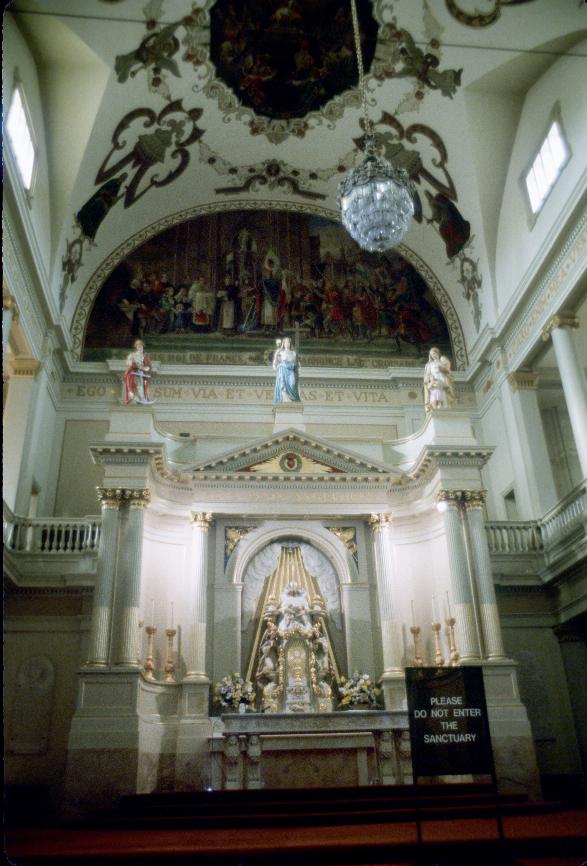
x: 475, y: 18
x: 348, y: 536
x: 397, y: 55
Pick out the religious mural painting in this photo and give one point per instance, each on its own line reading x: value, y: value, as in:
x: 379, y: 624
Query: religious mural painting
x: 233, y: 282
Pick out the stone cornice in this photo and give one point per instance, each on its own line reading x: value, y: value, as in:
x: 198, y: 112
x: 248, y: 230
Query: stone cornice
x: 523, y: 380
x: 433, y: 458
x: 119, y: 454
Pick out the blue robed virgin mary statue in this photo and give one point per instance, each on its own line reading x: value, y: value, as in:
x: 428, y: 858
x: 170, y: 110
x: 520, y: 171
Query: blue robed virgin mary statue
x: 286, y: 365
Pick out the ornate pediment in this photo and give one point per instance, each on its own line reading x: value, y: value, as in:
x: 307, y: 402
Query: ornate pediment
x: 290, y: 455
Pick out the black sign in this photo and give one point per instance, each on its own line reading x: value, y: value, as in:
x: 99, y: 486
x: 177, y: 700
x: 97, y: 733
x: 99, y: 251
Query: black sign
x: 449, y: 730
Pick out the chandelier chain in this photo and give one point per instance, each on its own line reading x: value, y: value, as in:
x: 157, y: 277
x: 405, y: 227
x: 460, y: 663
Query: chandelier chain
x: 359, y: 56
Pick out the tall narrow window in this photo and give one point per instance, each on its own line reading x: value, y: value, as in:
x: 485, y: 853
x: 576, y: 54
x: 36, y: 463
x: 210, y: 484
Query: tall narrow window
x: 546, y: 166
x: 19, y: 132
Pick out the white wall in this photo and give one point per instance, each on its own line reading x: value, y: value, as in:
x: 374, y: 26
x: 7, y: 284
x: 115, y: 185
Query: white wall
x: 521, y: 247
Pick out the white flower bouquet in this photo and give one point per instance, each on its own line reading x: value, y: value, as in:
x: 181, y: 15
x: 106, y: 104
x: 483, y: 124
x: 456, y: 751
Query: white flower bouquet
x: 359, y: 692
x: 233, y: 692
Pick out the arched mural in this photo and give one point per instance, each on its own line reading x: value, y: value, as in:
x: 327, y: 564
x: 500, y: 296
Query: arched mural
x: 219, y: 288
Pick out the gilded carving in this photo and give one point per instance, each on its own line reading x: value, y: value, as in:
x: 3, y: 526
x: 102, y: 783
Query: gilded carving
x: 379, y: 521
x: 562, y: 320
x: 232, y: 536
x: 203, y: 520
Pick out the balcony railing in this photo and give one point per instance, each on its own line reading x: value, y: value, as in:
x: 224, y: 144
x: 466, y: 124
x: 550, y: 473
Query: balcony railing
x: 507, y: 536
x: 51, y: 535
x: 566, y: 517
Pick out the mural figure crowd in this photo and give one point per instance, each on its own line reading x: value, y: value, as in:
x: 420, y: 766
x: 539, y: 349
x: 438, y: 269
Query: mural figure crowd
x: 251, y: 286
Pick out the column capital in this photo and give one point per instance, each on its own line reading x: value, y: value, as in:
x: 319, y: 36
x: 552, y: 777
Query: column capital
x: 523, y: 380
x: 114, y: 497
x: 108, y: 497
x: 202, y: 519
x: 474, y: 498
x: 450, y: 497
x: 561, y: 320
x: 9, y: 305
x: 380, y: 521
x: 139, y: 497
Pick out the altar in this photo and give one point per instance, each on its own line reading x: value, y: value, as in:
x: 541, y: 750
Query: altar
x: 276, y: 750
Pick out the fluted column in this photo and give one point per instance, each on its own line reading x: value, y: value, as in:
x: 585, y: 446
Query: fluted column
x: 463, y: 603
x: 572, y: 379
x: 391, y: 636
x: 128, y: 581
x: 488, y: 612
x: 99, y: 643
x: 195, y: 657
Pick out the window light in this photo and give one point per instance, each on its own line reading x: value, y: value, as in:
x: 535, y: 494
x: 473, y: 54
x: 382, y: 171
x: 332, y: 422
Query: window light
x: 547, y: 166
x: 21, y: 141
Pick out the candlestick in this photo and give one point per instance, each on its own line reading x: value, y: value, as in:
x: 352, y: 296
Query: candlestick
x: 149, y: 667
x: 454, y: 656
x: 169, y: 666
x: 438, y: 657
x: 152, y: 611
x: 418, y: 660
x: 448, y: 605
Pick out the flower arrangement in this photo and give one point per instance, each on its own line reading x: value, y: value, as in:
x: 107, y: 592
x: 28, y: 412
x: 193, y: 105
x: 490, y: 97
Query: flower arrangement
x: 234, y: 692
x: 359, y: 691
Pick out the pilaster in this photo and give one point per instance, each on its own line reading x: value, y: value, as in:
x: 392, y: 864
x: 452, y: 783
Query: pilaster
x: 572, y: 378
x: 461, y: 586
x: 391, y: 635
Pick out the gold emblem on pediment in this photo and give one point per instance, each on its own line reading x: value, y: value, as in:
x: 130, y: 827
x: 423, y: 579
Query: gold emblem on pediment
x: 291, y: 462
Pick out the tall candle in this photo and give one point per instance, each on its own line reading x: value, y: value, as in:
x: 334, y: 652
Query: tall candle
x: 413, y: 614
x: 152, y: 611
x: 434, y: 609
x: 171, y: 613
x: 448, y: 605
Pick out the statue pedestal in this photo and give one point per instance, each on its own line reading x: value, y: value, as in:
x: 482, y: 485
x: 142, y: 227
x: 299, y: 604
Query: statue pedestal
x: 286, y: 415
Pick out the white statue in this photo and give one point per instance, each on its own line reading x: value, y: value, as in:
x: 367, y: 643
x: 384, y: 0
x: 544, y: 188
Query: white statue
x: 286, y: 365
x: 293, y: 610
x: 438, y: 381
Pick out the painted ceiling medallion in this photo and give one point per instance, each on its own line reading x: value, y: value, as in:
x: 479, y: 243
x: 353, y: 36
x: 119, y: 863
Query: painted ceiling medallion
x: 284, y: 58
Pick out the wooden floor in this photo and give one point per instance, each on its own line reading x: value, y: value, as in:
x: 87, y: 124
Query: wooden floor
x: 311, y: 828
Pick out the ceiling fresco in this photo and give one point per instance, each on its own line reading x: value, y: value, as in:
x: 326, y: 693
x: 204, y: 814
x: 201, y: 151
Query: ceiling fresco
x: 222, y: 288
x: 281, y: 69
x: 284, y: 59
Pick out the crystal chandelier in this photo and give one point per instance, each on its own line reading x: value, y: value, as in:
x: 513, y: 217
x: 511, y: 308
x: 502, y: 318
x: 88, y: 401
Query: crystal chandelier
x: 375, y: 198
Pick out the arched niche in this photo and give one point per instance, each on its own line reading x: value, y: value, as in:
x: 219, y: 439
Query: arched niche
x: 247, y: 565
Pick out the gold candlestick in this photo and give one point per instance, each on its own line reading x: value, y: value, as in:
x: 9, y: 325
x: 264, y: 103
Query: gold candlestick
x: 438, y: 657
x: 169, y: 666
x: 149, y: 667
x: 454, y: 656
x: 418, y: 660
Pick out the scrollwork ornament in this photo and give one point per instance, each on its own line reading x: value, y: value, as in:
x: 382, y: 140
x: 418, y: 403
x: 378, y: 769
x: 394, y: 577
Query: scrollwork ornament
x: 479, y: 19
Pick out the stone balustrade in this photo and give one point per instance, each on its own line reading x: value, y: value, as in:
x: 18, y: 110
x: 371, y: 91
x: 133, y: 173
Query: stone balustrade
x: 507, y: 536
x: 51, y: 535
x: 569, y: 515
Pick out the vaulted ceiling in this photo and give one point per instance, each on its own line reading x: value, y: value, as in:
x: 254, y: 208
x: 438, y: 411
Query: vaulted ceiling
x: 156, y: 111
